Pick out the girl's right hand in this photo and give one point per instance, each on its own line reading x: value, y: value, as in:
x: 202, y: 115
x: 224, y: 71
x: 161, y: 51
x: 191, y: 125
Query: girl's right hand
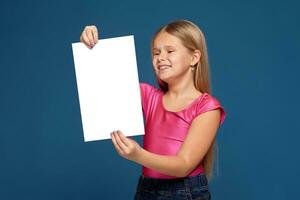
x: 89, y: 36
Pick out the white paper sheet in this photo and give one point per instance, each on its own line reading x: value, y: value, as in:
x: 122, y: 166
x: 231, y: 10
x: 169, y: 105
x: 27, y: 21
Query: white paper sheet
x: 108, y: 88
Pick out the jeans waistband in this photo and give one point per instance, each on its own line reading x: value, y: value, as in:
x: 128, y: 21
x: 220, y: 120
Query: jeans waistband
x: 172, y: 184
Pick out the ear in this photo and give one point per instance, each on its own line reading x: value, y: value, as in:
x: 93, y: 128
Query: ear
x: 195, y: 57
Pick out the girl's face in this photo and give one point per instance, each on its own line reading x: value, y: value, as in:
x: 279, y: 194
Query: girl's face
x: 171, y: 60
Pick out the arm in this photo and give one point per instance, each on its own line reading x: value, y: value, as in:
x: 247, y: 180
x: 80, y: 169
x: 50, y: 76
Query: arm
x: 195, y: 146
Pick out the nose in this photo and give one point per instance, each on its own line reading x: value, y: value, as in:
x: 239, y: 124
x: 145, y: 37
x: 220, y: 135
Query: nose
x: 162, y: 56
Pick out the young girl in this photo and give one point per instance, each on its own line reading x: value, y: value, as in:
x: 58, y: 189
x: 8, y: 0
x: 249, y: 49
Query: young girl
x: 181, y: 117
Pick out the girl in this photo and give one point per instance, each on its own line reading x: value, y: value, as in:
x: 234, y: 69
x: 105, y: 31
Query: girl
x: 181, y: 117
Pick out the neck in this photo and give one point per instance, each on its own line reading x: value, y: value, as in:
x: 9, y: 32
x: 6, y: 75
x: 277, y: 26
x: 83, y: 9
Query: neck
x: 182, y: 89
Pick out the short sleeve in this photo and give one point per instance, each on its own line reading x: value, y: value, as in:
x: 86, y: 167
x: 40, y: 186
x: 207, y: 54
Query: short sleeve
x: 209, y: 103
x: 146, y: 94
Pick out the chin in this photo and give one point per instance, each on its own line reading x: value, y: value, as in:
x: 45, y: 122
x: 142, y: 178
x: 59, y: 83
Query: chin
x: 165, y: 79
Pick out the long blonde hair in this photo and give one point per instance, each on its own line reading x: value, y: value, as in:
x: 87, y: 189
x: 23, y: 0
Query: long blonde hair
x: 193, y: 39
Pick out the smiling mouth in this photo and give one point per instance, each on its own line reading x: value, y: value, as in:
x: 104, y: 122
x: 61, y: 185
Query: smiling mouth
x: 163, y: 67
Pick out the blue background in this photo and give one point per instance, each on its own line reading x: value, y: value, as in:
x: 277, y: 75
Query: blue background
x: 254, y: 49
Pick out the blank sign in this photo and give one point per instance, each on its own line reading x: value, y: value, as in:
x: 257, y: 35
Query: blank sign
x: 108, y: 88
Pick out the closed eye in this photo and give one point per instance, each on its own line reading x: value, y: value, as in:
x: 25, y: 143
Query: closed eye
x: 156, y: 52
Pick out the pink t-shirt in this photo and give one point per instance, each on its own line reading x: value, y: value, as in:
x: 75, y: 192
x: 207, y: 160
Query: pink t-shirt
x: 165, y: 131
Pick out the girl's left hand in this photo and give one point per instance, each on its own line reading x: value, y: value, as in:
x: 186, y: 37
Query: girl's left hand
x: 126, y: 147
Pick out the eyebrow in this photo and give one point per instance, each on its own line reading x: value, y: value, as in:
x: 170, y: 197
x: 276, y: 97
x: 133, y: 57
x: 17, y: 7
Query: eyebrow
x: 167, y: 46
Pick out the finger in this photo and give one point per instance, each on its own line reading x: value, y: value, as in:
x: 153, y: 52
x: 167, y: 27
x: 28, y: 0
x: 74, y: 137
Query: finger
x: 120, y: 143
x: 90, y: 37
x: 123, y: 138
x: 86, y: 40
x: 95, y: 34
x: 119, y: 150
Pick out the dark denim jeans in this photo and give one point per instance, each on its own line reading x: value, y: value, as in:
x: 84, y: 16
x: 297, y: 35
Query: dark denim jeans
x: 189, y: 188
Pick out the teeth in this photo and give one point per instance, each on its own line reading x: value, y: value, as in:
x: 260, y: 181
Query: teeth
x: 163, y: 67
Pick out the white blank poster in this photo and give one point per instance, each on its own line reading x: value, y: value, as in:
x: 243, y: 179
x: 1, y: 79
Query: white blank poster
x: 108, y: 88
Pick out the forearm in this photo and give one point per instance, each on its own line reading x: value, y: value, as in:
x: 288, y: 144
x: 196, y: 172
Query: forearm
x: 179, y: 165
x: 169, y: 165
